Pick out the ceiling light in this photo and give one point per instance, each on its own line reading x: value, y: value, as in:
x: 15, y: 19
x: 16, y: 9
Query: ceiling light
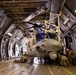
x: 17, y: 38
x: 75, y: 11
x: 66, y: 20
x: 9, y: 34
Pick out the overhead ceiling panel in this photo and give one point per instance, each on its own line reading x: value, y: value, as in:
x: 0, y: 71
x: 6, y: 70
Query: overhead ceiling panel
x: 17, y: 10
x: 71, y: 6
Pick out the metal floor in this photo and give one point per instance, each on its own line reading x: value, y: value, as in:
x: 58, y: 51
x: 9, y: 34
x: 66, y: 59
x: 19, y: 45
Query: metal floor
x: 11, y: 68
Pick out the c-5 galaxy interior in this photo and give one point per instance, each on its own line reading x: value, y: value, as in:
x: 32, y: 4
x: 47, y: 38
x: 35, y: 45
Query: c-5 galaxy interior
x: 37, y: 37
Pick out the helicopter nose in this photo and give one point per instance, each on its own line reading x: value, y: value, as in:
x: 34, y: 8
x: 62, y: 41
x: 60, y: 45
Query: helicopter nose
x: 58, y: 46
x: 61, y: 44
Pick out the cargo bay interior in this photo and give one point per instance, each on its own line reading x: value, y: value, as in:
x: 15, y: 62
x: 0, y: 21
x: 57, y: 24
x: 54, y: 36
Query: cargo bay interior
x: 24, y: 25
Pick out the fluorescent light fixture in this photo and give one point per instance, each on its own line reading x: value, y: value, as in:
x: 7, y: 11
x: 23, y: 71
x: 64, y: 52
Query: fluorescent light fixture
x: 67, y: 19
x: 9, y: 34
x: 75, y: 11
x: 18, y: 38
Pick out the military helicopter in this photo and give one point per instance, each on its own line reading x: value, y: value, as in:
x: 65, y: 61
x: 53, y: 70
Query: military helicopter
x: 47, y: 46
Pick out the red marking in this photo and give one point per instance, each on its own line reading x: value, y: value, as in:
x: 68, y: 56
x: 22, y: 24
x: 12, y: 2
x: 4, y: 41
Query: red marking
x: 43, y: 45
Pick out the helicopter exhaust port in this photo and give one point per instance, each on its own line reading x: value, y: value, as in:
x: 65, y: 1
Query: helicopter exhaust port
x: 53, y: 55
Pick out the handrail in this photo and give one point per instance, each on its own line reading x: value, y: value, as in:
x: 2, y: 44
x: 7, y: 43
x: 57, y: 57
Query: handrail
x: 69, y: 30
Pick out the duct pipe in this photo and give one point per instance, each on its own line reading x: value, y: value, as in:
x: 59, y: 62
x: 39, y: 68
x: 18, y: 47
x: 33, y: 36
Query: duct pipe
x: 56, y: 7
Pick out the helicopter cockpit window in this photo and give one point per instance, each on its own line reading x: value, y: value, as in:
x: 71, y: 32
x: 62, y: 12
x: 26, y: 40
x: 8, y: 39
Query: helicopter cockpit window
x: 41, y: 36
x: 52, y: 35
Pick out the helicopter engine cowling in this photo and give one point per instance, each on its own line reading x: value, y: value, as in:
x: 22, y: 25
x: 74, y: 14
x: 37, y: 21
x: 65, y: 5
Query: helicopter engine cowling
x: 53, y: 55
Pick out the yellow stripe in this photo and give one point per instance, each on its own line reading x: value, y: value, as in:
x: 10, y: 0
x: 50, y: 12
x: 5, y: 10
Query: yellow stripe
x: 19, y: 69
x: 68, y: 71
x: 51, y: 73
x: 5, y: 68
x: 15, y: 69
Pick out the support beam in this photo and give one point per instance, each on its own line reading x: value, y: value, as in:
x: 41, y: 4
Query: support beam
x: 59, y: 28
x: 34, y: 14
x: 22, y: 5
x: 69, y: 30
x: 26, y: 1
